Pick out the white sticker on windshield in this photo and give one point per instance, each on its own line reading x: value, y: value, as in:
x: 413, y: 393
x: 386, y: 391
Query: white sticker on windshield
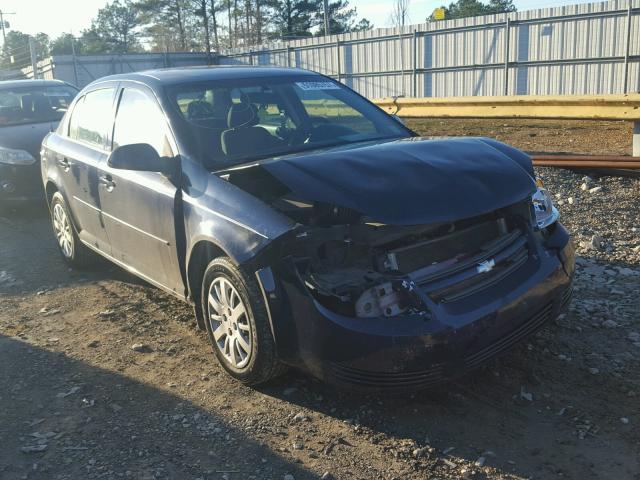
x: 318, y: 85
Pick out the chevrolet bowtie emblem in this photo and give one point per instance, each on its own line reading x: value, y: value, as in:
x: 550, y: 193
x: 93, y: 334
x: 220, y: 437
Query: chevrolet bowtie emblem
x: 486, y: 266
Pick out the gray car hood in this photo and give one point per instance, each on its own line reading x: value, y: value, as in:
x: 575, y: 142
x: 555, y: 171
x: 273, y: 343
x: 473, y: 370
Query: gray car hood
x: 411, y: 181
x: 26, y: 136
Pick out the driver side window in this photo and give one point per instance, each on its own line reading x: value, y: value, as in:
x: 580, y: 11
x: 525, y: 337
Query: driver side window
x: 140, y: 120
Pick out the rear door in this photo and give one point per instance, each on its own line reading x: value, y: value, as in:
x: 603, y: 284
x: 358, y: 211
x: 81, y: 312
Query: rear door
x: 78, y: 156
x: 139, y: 207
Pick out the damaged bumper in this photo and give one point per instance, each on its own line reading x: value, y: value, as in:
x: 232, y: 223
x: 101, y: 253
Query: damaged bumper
x: 415, y: 350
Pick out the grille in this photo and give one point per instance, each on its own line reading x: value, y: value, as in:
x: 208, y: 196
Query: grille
x: 566, y: 298
x: 462, y: 278
x: 534, y: 323
x: 386, y: 380
x: 436, y: 373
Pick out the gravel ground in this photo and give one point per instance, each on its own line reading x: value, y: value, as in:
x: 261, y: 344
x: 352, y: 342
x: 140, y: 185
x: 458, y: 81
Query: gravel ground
x: 105, y: 377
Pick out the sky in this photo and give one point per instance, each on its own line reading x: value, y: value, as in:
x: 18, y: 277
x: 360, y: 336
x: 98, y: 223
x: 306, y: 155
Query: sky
x: 57, y: 16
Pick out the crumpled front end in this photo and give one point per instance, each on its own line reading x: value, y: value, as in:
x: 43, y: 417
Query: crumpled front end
x: 411, y: 261
x: 381, y: 307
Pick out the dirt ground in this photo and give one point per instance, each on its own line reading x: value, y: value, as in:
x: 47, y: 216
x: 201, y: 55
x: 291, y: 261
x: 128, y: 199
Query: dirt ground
x: 78, y: 402
x: 538, y: 136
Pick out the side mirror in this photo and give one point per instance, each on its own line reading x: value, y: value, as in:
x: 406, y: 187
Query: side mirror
x: 142, y: 157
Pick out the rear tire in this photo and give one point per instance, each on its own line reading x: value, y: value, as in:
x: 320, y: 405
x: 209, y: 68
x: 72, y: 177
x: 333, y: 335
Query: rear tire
x: 237, y: 323
x: 73, y: 251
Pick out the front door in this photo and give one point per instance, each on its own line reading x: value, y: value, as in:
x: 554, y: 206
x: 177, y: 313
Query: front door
x: 138, y: 208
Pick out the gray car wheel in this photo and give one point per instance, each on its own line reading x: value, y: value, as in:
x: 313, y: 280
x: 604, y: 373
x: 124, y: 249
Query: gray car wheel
x: 237, y: 323
x: 73, y: 251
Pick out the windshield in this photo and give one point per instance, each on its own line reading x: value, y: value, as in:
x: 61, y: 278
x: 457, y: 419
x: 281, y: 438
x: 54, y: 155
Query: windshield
x: 34, y: 104
x: 236, y: 121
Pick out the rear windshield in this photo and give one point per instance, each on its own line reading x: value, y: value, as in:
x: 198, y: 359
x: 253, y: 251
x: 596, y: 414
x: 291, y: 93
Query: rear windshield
x: 236, y: 121
x: 34, y: 104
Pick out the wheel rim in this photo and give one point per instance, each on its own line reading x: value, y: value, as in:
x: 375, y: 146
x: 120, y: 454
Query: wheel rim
x: 232, y: 332
x: 62, y: 229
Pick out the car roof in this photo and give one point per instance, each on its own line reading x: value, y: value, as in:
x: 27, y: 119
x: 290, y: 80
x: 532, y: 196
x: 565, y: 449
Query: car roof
x: 33, y: 83
x: 171, y: 76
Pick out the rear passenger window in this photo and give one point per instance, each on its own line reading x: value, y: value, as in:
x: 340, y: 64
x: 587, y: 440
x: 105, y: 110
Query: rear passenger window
x: 140, y: 120
x: 91, y: 118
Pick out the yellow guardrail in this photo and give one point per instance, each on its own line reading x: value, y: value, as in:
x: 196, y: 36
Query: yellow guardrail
x: 575, y: 107
x: 580, y: 107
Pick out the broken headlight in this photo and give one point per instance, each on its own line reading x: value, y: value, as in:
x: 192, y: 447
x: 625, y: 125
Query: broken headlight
x: 546, y: 213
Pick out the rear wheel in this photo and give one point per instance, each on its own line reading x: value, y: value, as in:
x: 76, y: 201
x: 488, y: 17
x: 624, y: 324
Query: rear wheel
x: 237, y: 323
x: 73, y: 251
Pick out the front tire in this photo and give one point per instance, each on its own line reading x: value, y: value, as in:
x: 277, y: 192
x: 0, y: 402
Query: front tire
x: 73, y: 251
x: 237, y: 323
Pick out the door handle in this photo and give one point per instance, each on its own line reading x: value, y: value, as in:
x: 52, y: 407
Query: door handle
x: 64, y: 163
x: 108, y: 182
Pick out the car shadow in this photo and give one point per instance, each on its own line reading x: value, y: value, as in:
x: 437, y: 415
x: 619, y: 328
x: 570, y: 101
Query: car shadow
x: 26, y: 239
x: 63, y: 418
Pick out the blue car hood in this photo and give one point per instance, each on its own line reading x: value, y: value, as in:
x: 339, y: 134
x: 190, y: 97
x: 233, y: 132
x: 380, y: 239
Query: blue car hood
x: 411, y: 181
x: 26, y: 136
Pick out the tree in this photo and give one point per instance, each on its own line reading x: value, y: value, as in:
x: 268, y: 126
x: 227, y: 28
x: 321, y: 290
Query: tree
x: 42, y: 44
x: 362, y: 25
x: 114, y: 30
x: 165, y: 20
x: 342, y: 18
x: 400, y: 13
x: 16, y: 51
x: 201, y: 11
x: 473, y: 8
x: 292, y: 18
x: 65, y: 44
x: 214, y: 21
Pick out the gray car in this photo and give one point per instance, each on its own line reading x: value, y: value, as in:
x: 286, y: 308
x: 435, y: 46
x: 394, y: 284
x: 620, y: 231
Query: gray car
x: 29, y: 110
x: 306, y: 226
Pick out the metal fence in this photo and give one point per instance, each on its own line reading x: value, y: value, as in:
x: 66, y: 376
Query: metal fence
x: 83, y: 69
x: 589, y: 48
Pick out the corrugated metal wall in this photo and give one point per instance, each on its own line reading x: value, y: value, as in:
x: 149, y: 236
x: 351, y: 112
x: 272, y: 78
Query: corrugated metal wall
x: 83, y: 69
x: 591, y: 48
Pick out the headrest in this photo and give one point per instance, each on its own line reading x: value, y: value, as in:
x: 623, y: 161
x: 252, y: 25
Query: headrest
x: 242, y: 115
x: 26, y: 102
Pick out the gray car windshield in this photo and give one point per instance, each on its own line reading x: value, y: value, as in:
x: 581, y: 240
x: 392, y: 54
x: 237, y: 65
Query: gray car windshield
x: 34, y: 104
x: 233, y: 122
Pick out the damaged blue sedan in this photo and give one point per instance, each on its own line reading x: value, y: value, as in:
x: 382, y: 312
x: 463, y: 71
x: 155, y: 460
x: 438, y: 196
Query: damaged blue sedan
x: 306, y: 226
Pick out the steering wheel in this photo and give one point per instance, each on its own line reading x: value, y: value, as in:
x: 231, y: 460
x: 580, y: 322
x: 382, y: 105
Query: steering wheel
x: 199, y: 109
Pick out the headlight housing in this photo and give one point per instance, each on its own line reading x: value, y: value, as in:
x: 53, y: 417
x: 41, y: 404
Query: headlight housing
x: 546, y: 213
x: 9, y: 156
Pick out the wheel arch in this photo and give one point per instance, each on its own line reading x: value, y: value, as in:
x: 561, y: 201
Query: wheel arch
x: 50, y: 188
x: 202, y: 252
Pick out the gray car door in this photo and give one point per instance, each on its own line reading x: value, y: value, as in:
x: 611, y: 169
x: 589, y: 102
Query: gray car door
x: 139, y: 207
x: 78, y: 155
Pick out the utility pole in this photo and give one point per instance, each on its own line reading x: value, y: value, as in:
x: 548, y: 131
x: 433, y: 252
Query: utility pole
x: 4, y: 34
x: 327, y: 29
x: 34, y: 57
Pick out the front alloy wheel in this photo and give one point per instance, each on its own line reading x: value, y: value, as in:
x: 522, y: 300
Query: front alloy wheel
x: 229, y: 323
x: 237, y: 323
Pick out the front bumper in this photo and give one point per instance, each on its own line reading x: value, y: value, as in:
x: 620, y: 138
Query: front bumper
x: 20, y: 183
x: 414, y: 351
